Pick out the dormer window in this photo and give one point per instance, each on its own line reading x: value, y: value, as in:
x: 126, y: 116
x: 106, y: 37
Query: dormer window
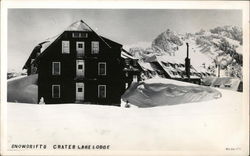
x: 79, y: 35
x: 94, y: 47
x: 134, y: 63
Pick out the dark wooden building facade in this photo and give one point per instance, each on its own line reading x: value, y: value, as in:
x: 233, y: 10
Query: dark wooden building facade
x: 79, y: 66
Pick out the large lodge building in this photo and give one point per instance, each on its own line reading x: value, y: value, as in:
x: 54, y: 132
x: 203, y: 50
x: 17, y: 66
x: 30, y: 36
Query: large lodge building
x: 79, y: 66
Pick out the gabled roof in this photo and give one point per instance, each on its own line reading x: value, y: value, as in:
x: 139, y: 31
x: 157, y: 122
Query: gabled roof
x: 79, y: 26
x: 126, y: 55
x: 33, y: 53
x: 223, y: 82
x: 172, y: 71
x: 146, y: 66
x: 110, y: 42
x: 76, y: 26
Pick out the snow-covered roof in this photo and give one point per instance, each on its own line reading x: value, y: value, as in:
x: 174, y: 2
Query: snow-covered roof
x: 223, y: 82
x: 170, y: 59
x: 125, y: 55
x: 173, y: 71
x: 76, y: 26
x: 48, y: 42
x: 146, y: 66
x: 79, y: 26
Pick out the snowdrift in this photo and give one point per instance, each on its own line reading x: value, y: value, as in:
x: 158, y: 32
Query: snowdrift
x: 202, y: 126
x: 23, y: 89
x: 160, y: 92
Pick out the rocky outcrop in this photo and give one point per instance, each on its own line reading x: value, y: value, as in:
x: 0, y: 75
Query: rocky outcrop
x: 167, y: 41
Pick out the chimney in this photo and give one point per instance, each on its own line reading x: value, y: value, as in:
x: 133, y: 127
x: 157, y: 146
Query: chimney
x: 187, y: 63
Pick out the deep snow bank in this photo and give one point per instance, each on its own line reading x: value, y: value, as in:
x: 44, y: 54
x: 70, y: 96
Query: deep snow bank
x: 23, y: 89
x: 202, y: 126
x: 159, y: 92
x: 206, y: 126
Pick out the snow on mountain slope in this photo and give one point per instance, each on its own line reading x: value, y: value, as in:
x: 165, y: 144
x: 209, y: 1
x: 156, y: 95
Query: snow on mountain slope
x: 143, y: 45
x: 168, y: 41
x: 198, y: 59
x: 219, y: 46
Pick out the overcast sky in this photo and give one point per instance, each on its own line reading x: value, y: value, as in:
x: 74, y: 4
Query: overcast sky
x: 28, y: 27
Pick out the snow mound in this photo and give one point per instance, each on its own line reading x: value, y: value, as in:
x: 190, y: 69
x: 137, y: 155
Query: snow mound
x: 161, y: 92
x: 23, y: 89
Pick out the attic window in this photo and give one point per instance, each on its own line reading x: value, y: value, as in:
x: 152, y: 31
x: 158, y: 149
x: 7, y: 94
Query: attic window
x: 79, y: 35
x: 227, y: 85
x: 174, y: 73
x: 166, y: 64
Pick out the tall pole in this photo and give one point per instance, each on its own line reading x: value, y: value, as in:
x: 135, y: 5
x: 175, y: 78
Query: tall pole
x: 219, y: 70
x: 187, y: 63
x: 218, y: 63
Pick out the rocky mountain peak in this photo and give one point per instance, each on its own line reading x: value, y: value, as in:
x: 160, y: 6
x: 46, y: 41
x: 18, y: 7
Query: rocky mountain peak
x: 167, y: 41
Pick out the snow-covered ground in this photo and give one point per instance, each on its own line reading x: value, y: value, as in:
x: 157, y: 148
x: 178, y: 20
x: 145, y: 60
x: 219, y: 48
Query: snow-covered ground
x: 23, y: 89
x: 205, y: 127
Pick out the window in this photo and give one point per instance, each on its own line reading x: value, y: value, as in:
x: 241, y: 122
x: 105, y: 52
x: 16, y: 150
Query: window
x: 94, y: 47
x: 127, y: 62
x: 55, y: 91
x: 80, y: 66
x: 166, y: 64
x: 80, y: 45
x: 80, y: 49
x: 56, y: 68
x: 135, y: 78
x: 101, y: 91
x: 32, y: 60
x: 126, y: 85
x: 227, y: 85
x: 65, y: 47
x: 79, y: 91
x: 102, y: 68
x: 134, y: 63
x: 79, y: 35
